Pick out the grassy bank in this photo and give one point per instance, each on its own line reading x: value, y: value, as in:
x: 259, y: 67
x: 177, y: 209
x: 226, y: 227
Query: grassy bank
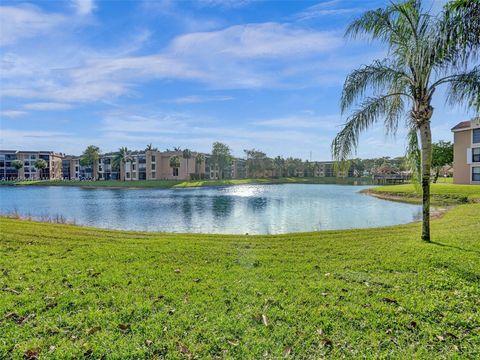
x: 188, y: 183
x: 441, y: 193
x: 69, y: 291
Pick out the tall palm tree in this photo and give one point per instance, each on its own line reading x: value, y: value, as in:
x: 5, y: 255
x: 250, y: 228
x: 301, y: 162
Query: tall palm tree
x: 90, y: 158
x: 187, y: 154
x: 175, y: 162
x: 17, y: 164
x: 199, y: 160
x: 121, y: 158
x: 40, y: 165
x: 423, y: 55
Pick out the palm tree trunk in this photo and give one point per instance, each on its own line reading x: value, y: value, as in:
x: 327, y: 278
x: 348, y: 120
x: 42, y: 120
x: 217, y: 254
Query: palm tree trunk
x: 426, y: 143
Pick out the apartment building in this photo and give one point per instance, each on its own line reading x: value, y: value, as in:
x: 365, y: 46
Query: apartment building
x: 143, y: 165
x: 466, y: 152
x: 151, y: 165
x: 324, y: 169
x: 53, y: 170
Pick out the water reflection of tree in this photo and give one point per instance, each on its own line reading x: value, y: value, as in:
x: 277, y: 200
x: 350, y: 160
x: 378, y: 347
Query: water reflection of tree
x: 257, y: 203
x: 222, y: 206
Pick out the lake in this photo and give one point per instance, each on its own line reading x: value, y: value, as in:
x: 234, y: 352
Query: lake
x: 253, y: 209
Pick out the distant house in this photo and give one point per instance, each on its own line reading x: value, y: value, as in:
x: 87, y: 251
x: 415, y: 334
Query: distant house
x: 466, y: 152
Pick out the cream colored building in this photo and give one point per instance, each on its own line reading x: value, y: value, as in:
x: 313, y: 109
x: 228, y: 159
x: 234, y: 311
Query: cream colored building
x: 151, y: 165
x: 28, y: 171
x: 466, y: 152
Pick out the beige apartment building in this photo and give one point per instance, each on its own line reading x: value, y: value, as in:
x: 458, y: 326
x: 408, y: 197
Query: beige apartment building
x: 466, y: 152
x: 28, y: 171
x: 150, y: 165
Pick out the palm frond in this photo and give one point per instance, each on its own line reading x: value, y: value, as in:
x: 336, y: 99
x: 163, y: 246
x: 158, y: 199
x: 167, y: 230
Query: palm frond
x: 465, y: 89
x: 376, y: 77
x: 371, y: 110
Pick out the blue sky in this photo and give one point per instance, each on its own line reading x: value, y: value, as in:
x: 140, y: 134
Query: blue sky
x: 252, y: 74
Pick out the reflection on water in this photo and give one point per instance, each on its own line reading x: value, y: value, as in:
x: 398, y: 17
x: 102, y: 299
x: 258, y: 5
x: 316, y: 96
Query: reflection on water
x: 253, y: 209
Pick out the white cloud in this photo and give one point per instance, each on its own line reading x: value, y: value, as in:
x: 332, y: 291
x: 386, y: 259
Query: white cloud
x: 197, y: 99
x: 84, y: 7
x: 224, y: 3
x: 25, y: 21
x: 253, y: 41
x: 328, y: 8
x: 47, y: 106
x: 302, y: 121
x: 232, y: 58
x: 12, y: 113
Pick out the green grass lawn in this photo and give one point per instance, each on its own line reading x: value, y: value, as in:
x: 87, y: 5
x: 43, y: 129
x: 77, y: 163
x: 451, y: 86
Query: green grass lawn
x: 73, y: 292
x: 189, y: 183
x: 441, y: 192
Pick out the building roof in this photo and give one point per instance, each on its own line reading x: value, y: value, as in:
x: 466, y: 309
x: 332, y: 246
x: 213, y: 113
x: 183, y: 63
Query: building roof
x: 462, y: 125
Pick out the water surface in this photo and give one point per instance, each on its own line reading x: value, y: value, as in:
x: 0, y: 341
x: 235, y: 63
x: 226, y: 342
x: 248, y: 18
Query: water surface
x: 253, y: 209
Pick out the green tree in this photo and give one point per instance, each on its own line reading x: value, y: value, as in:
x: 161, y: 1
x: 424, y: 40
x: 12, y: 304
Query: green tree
x: 221, y: 157
x: 279, y: 164
x: 40, y: 165
x: 122, y: 156
x: 187, y: 155
x: 199, y: 160
x: 174, y: 163
x: 423, y: 55
x: 90, y: 156
x: 442, y: 154
x: 17, y: 164
x: 256, y: 162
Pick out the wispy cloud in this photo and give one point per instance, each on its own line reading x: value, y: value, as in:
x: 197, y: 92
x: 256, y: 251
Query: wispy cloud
x: 47, y: 106
x: 256, y: 41
x: 197, y: 99
x: 302, y: 121
x: 327, y: 8
x: 25, y: 21
x: 225, y: 3
x: 12, y: 113
x: 84, y: 7
x: 232, y: 58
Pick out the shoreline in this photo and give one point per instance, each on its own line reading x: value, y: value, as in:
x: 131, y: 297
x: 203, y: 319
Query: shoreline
x: 178, y: 184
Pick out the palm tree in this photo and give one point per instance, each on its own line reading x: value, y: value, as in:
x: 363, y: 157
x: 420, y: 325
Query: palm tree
x: 121, y: 158
x: 17, y: 164
x: 199, y: 160
x: 423, y: 54
x: 187, y: 154
x: 90, y: 158
x: 40, y: 165
x: 150, y: 147
x: 175, y: 163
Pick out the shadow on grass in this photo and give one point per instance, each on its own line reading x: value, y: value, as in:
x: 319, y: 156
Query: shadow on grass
x: 454, y: 247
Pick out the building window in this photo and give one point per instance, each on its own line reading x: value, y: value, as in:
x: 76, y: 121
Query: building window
x: 154, y: 175
x: 153, y: 166
x: 476, y: 154
x: 153, y: 158
x: 175, y: 171
x: 133, y: 166
x: 127, y: 175
x: 476, y: 173
x: 476, y: 136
